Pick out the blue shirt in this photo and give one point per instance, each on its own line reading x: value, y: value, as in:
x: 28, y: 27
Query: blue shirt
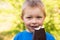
x: 29, y: 36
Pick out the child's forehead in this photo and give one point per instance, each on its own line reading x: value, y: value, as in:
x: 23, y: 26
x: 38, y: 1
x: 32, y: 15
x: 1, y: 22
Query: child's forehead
x: 33, y: 10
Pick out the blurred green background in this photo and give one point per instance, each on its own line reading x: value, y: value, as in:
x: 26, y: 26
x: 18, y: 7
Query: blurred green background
x: 11, y: 23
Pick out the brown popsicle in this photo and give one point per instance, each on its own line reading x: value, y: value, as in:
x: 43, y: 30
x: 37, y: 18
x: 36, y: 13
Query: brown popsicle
x: 39, y: 34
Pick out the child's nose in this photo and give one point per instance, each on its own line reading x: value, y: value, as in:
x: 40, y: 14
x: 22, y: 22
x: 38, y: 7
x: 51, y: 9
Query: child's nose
x: 34, y: 21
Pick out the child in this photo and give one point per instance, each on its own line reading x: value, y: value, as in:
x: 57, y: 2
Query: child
x: 33, y: 15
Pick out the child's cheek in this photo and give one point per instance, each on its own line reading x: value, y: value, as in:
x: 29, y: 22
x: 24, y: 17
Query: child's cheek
x: 27, y: 22
x: 41, y: 22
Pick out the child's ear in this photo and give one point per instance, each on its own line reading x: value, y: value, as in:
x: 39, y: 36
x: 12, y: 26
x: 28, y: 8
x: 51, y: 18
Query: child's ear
x: 21, y: 17
x: 44, y: 17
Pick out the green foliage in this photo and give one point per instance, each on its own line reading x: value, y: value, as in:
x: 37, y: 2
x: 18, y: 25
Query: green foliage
x: 53, y: 16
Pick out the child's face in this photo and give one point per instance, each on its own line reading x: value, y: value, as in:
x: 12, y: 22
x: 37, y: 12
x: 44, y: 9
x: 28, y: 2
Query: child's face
x: 33, y: 18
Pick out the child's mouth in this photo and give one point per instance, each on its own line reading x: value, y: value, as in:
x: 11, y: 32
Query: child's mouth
x: 34, y: 27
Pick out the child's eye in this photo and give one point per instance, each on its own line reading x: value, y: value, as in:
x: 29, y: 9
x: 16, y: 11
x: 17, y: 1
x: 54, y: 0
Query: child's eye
x: 29, y: 17
x: 39, y: 17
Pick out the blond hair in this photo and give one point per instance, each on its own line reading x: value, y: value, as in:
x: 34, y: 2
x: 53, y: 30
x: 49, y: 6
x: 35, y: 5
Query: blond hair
x: 33, y: 3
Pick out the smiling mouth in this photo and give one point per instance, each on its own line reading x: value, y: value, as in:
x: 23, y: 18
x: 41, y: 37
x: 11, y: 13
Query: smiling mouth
x: 33, y: 27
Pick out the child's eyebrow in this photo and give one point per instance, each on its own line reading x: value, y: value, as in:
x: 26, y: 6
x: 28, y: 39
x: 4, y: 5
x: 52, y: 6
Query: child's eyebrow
x: 28, y: 15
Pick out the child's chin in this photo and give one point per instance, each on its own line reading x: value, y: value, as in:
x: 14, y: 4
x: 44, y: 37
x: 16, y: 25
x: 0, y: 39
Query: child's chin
x: 32, y: 30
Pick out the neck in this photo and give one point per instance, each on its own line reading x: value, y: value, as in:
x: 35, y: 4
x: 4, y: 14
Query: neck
x: 27, y: 30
